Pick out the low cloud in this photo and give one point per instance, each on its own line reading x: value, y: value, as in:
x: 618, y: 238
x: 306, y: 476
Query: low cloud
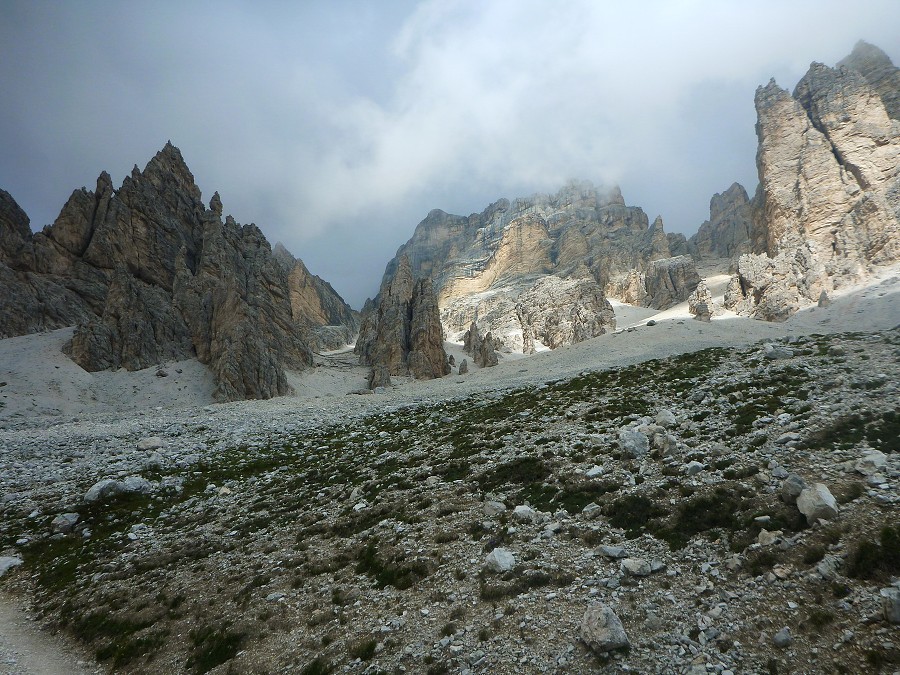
x: 336, y: 128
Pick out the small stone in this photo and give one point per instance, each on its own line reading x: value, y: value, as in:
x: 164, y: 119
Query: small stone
x: 63, y: 523
x: 151, y: 443
x: 602, y: 630
x: 494, y: 508
x: 783, y: 638
x: 635, y: 567
x: 500, y: 560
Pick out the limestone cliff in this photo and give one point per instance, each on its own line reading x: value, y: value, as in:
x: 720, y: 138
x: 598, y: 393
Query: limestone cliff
x: 829, y: 197
x: 326, y: 320
x: 484, y: 265
x: 147, y: 273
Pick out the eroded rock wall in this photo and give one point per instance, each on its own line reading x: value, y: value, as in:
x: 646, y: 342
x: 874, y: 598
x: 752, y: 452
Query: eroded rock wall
x: 147, y: 273
x: 829, y: 197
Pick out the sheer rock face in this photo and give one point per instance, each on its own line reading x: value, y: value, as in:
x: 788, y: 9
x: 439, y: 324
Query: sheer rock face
x: 481, y: 264
x: 727, y: 233
x: 147, y: 274
x: 326, y: 320
x: 670, y: 281
x: 829, y: 198
x: 401, y: 330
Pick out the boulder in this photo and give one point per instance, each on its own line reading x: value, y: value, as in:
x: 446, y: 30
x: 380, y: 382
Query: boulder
x: 634, y: 444
x: 64, y: 523
x: 701, y: 305
x: 817, y: 502
x: 601, y: 629
x: 635, y: 567
x: 500, y: 560
x: 7, y: 562
x: 791, y: 488
x: 890, y: 604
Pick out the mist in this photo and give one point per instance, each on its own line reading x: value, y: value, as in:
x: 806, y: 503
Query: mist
x: 337, y: 126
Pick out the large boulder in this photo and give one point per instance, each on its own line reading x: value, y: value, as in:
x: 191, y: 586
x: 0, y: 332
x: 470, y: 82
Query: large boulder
x: 602, y: 630
x: 816, y: 502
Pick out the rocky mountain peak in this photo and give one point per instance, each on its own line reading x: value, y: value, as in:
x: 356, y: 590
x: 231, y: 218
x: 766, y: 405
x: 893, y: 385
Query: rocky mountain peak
x: 533, y: 271
x: 147, y: 274
x: 880, y: 73
x: 827, y: 207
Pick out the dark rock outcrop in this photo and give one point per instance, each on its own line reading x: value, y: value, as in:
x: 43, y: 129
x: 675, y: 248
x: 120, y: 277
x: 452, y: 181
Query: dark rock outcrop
x: 401, y: 330
x: 670, y: 281
x: 146, y: 273
x: 483, y: 350
x: 828, y: 207
x: 727, y: 233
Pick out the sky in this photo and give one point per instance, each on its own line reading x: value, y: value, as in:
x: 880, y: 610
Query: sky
x: 337, y: 126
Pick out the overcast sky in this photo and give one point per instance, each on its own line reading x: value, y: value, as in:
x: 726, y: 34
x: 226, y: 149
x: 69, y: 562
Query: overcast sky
x: 336, y: 126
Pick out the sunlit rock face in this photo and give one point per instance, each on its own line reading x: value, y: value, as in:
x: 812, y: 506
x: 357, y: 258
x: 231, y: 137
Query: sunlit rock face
x: 490, y: 267
x: 148, y: 273
x: 829, y: 197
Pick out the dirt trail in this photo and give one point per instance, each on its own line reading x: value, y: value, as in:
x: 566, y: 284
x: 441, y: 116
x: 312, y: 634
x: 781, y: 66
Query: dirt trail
x: 25, y: 650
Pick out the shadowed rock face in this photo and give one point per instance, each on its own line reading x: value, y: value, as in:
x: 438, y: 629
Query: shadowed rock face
x: 401, y: 331
x: 727, y: 233
x: 829, y: 197
x: 147, y: 273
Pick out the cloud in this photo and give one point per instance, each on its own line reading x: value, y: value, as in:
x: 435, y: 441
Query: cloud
x: 336, y: 127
